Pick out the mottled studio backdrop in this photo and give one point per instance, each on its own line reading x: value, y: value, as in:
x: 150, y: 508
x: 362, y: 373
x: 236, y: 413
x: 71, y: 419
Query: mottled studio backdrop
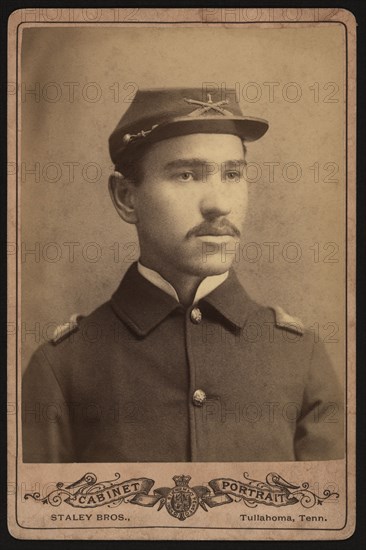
x: 77, y: 82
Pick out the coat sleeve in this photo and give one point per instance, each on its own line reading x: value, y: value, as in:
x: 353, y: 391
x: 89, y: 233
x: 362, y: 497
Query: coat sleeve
x: 46, y: 431
x: 320, y: 428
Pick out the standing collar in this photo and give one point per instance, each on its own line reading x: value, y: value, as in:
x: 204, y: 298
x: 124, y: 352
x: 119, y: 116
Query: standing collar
x: 142, y: 305
x: 207, y: 285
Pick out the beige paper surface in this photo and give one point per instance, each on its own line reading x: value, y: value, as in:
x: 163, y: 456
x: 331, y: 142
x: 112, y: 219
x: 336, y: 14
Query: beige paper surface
x: 72, y: 74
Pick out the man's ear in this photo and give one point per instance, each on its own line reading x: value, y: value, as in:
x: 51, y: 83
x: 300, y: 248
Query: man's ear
x: 122, y: 192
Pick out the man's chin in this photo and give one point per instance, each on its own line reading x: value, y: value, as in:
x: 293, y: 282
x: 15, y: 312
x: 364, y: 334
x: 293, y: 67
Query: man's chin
x: 213, y: 258
x: 210, y: 267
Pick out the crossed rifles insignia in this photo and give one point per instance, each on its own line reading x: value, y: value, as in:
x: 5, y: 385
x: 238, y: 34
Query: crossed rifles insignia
x: 209, y: 105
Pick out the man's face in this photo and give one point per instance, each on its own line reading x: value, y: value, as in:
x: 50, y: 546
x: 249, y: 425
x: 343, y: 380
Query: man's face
x: 191, y: 204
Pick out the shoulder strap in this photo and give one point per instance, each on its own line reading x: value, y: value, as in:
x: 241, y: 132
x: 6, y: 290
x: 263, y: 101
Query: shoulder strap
x: 64, y: 331
x: 286, y: 321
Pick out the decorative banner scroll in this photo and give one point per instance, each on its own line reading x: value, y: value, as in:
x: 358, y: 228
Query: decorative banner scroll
x: 182, y: 501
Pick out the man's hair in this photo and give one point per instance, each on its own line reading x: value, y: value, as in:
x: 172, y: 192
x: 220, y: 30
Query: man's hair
x: 131, y: 165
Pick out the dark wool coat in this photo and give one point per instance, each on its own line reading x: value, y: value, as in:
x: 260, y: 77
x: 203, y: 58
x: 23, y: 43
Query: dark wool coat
x: 120, y: 386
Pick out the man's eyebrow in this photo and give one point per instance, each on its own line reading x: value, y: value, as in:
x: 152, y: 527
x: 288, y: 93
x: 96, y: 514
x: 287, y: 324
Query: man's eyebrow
x: 235, y: 162
x: 199, y: 162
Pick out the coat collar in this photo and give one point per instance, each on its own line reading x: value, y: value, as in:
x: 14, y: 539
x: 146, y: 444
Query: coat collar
x: 143, y: 306
x: 231, y: 301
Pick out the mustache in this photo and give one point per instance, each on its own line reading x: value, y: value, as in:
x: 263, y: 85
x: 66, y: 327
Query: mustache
x: 223, y: 227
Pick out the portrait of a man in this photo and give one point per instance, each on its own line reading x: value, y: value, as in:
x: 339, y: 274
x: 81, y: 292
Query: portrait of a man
x: 185, y: 354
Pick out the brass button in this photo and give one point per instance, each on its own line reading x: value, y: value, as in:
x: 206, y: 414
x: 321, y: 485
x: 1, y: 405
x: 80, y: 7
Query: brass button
x: 199, y: 397
x: 196, y: 315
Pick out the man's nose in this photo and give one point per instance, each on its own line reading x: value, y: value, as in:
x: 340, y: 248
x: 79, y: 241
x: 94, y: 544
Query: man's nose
x: 216, y: 198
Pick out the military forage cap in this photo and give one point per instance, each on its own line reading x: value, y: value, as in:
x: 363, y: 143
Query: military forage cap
x: 158, y: 114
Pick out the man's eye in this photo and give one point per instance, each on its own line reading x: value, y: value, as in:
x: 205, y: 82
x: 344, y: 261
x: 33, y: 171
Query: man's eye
x: 232, y: 175
x: 185, y: 176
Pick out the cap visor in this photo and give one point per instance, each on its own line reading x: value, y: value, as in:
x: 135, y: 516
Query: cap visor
x: 248, y: 129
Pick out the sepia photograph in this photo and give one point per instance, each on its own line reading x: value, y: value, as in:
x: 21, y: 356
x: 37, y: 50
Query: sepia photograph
x: 183, y: 258
x: 180, y: 363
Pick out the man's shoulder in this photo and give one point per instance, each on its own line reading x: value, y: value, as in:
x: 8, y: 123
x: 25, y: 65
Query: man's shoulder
x: 75, y: 336
x: 78, y: 324
x: 280, y: 318
x: 259, y: 312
